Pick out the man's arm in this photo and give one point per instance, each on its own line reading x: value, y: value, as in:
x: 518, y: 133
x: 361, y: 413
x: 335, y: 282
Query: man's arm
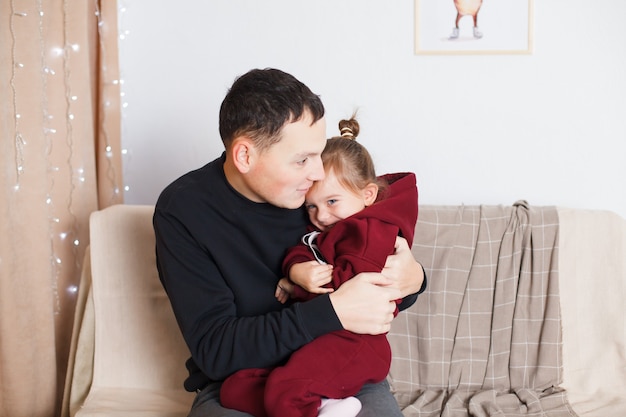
x: 366, y: 303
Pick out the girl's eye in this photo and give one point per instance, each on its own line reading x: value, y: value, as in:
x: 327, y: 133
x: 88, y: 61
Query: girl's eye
x: 309, y: 207
x: 331, y: 202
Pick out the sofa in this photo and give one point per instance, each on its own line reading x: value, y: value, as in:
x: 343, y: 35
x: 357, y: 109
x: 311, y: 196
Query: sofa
x: 524, y: 315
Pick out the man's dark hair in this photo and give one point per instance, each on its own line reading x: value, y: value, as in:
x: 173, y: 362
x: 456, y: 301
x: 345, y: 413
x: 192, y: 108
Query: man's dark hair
x: 261, y: 102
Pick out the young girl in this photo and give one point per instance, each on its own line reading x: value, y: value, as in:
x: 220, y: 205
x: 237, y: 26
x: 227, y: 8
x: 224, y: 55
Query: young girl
x: 356, y: 217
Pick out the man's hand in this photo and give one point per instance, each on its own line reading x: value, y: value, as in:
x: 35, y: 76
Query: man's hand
x: 366, y: 303
x: 403, y: 270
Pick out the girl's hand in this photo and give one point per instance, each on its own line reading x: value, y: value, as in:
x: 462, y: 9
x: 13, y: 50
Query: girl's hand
x: 284, y: 289
x: 312, y: 276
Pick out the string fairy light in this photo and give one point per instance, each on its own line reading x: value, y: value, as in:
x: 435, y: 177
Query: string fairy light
x: 19, y: 141
x: 55, y: 63
x: 109, y: 151
x: 123, y: 35
x: 70, y: 99
x: 51, y: 171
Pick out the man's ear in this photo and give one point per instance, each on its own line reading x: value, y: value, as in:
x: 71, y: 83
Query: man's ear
x: 370, y: 192
x: 242, y: 152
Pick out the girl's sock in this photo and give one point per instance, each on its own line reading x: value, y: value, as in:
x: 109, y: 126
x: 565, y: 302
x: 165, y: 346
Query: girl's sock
x: 346, y: 407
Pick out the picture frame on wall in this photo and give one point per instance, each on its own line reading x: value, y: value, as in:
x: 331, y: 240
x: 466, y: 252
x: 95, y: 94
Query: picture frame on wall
x: 447, y: 27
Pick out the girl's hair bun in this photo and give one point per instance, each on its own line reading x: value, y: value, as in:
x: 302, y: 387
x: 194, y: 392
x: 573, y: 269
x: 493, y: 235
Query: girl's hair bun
x: 349, y: 129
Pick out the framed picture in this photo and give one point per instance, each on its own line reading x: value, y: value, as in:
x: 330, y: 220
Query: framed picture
x: 473, y: 27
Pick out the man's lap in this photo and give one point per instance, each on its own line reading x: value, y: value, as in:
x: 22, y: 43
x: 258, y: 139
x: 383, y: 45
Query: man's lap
x: 376, y: 399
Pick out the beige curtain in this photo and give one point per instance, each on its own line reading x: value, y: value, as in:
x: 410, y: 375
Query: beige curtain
x: 60, y: 160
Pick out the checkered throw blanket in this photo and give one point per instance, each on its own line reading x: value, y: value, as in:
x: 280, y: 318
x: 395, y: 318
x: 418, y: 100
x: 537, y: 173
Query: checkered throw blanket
x: 485, y: 337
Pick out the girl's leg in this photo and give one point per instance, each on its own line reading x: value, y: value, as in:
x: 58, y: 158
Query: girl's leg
x: 244, y: 391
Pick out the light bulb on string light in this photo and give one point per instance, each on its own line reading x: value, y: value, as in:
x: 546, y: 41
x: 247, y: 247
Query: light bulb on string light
x: 81, y: 175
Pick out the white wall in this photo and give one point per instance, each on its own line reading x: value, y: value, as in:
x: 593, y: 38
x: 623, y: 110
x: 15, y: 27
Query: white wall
x: 548, y: 127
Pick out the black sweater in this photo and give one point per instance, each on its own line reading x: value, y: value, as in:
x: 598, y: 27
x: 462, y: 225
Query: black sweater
x: 219, y: 258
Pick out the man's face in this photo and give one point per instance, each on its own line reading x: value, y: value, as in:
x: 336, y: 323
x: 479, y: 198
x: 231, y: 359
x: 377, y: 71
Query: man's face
x: 282, y: 174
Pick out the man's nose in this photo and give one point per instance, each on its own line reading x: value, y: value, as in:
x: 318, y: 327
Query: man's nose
x: 317, y: 171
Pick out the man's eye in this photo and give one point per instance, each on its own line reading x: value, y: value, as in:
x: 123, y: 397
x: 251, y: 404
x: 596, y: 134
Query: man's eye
x: 303, y: 161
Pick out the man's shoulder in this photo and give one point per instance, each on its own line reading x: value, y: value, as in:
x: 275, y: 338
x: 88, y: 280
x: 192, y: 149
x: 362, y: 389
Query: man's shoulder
x: 190, y: 194
x: 189, y: 185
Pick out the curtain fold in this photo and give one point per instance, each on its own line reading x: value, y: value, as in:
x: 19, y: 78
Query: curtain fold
x: 60, y: 159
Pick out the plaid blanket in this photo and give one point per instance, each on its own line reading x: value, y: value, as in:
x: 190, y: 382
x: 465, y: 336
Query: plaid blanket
x: 485, y: 337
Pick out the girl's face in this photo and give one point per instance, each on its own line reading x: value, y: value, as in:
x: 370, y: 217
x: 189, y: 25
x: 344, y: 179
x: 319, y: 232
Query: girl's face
x: 328, y: 201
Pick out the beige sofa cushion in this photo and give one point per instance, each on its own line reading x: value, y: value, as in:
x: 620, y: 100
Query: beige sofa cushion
x: 592, y: 270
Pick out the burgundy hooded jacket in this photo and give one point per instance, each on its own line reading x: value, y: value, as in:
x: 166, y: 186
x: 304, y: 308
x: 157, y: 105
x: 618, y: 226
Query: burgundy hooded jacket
x: 337, y: 364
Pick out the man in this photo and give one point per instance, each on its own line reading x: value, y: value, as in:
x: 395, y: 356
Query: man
x: 222, y: 232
